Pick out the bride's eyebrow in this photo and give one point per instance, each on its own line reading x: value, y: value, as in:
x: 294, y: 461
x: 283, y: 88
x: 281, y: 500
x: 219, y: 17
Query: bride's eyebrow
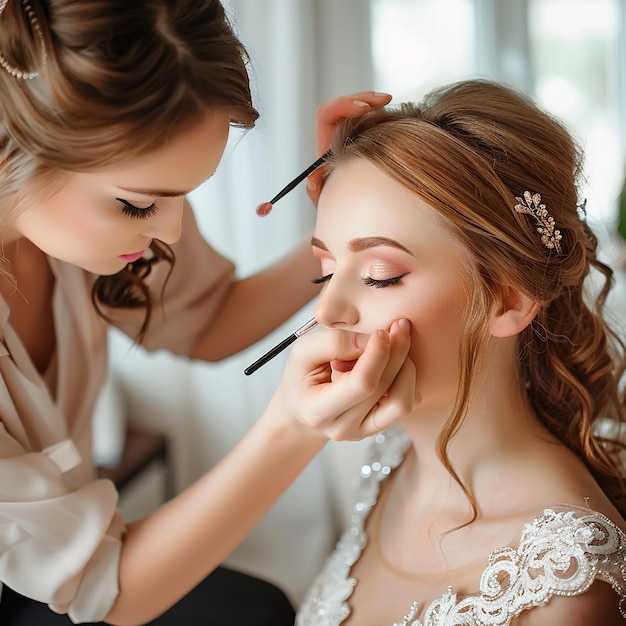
x: 318, y: 243
x: 363, y: 243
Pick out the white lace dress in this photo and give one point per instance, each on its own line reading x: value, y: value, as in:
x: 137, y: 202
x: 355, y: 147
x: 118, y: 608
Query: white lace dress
x: 561, y: 552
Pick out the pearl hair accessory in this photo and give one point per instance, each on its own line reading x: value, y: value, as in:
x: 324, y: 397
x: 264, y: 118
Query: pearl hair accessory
x: 531, y: 204
x: 34, y: 22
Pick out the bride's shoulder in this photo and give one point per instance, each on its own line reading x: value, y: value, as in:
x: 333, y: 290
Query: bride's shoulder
x: 568, y: 567
x: 598, y: 606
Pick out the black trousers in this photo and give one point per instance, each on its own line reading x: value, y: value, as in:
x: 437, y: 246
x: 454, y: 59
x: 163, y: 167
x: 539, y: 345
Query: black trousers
x: 225, y: 598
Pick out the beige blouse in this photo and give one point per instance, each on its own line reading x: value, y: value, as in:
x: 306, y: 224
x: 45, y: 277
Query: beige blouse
x: 60, y: 531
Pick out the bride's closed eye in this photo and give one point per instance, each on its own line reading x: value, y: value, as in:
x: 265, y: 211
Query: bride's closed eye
x: 322, y: 279
x: 385, y: 282
x: 367, y: 280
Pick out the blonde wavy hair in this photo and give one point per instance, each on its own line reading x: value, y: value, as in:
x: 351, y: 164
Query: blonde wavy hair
x: 468, y: 150
x: 120, y: 78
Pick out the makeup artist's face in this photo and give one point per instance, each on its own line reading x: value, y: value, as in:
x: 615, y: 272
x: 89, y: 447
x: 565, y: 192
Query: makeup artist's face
x: 102, y: 220
x: 385, y: 255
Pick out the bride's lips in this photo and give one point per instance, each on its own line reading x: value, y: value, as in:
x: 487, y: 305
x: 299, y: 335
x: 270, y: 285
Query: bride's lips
x: 343, y: 366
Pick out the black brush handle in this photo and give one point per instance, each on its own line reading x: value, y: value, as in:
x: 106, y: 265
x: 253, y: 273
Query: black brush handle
x: 268, y: 356
x: 298, y: 179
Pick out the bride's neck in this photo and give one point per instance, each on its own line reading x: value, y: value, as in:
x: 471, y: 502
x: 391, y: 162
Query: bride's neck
x: 498, y: 427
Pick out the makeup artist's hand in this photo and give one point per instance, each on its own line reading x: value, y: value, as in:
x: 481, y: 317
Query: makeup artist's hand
x: 328, y: 115
x: 374, y: 394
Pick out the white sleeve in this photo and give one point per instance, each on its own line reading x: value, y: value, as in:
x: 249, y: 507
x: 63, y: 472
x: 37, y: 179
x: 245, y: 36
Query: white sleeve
x: 58, y: 545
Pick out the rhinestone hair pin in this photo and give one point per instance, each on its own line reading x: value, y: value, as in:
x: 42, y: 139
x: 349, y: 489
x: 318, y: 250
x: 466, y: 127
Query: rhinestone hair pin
x: 531, y: 204
x: 34, y: 22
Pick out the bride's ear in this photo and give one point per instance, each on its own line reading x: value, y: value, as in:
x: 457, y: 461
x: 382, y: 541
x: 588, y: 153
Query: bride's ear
x: 516, y: 312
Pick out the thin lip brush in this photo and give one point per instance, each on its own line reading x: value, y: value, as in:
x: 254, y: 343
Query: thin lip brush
x: 278, y: 348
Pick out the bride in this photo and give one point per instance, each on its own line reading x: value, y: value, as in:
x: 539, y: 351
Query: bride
x: 495, y: 502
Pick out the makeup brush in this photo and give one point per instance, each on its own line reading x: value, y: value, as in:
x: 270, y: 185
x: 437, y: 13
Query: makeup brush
x: 266, y: 207
x: 277, y: 349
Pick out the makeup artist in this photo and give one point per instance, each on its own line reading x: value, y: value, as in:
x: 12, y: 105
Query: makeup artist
x: 110, y: 113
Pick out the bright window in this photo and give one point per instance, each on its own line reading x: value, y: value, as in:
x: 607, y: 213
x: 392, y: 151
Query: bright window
x: 575, y: 61
x: 418, y: 45
x: 568, y: 52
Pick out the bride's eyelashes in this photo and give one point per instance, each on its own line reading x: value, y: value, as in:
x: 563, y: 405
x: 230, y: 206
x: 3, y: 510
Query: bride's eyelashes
x: 322, y: 279
x: 367, y: 280
x: 385, y: 282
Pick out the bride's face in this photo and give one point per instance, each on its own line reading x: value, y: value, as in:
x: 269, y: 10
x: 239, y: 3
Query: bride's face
x: 384, y: 255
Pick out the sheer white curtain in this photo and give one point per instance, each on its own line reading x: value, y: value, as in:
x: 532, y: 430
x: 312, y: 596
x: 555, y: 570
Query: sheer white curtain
x: 303, y: 53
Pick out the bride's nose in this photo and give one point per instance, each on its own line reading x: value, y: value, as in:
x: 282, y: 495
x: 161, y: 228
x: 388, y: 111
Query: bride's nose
x: 335, y: 306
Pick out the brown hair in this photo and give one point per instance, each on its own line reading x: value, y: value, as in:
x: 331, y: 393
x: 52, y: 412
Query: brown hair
x: 468, y: 150
x: 119, y: 79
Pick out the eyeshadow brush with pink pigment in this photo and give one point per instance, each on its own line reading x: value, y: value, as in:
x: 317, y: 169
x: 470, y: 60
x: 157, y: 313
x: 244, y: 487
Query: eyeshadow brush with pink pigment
x: 266, y: 207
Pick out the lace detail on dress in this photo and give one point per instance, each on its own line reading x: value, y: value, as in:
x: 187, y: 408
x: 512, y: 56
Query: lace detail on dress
x: 326, y: 601
x: 561, y: 553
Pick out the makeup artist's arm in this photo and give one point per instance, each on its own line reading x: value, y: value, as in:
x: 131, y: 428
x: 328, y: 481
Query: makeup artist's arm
x: 256, y: 305
x: 168, y: 552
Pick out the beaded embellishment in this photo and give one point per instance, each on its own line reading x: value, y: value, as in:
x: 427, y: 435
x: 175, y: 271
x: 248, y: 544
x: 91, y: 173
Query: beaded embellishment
x: 560, y: 553
x: 32, y: 18
x: 532, y: 205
